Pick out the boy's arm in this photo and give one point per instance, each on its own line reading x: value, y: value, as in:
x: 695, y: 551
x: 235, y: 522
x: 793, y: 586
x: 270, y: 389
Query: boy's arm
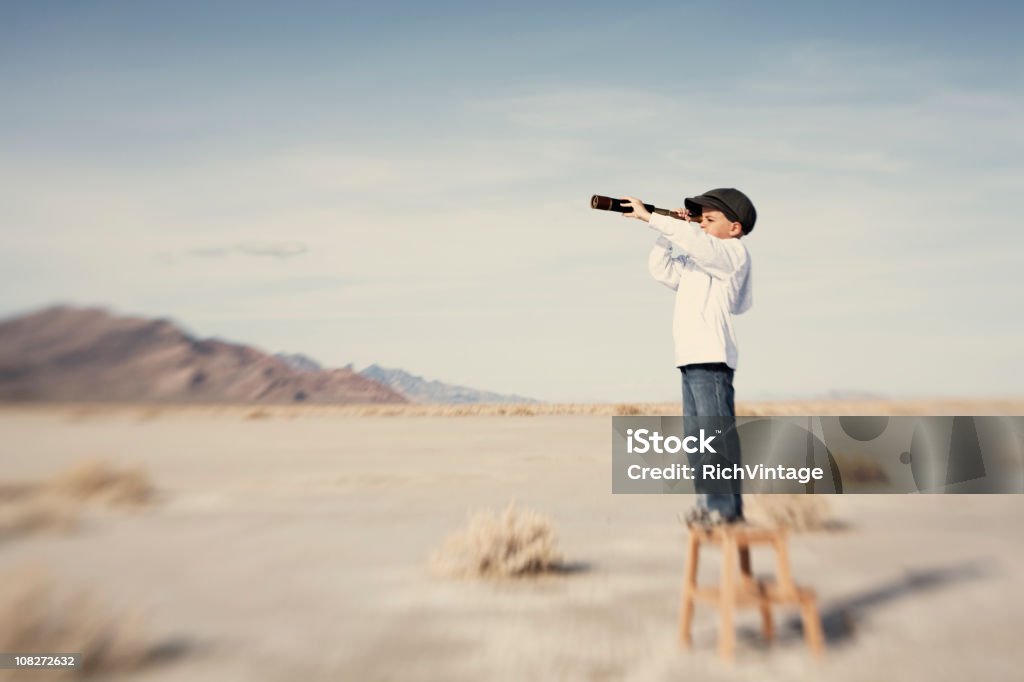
x: 663, y: 266
x: 709, y: 253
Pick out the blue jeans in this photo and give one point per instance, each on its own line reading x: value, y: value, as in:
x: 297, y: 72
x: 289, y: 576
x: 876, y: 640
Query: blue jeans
x: 708, y: 405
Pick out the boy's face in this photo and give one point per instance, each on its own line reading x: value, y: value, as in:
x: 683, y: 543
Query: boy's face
x: 717, y: 225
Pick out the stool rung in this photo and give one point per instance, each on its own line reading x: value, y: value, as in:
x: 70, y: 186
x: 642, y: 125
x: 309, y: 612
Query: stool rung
x: 754, y: 594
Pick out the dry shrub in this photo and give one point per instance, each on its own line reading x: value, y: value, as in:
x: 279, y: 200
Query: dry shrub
x: 150, y: 413
x: 54, y: 505
x: 1011, y: 406
x: 35, y: 515
x: 858, y: 468
x: 492, y: 409
x: 37, y: 615
x: 792, y: 512
x: 13, y: 492
x: 82, y: 413
x: 96, y: 480
x: 515, y: 543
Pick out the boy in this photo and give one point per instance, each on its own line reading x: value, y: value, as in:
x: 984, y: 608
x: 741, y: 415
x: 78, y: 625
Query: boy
x: 711, y: 276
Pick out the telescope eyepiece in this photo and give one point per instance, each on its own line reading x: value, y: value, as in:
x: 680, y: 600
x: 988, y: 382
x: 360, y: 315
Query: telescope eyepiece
x: 602, y: 203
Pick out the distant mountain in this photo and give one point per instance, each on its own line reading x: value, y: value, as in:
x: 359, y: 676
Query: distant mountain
x: 420, y: 390
x: 300, y: 362
x: 88, y: 354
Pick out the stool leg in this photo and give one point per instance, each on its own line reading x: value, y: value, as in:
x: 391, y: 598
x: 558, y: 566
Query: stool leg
x: 767, y: 625
x: 727, y: 600
x: 747, y: 576
x: 785, y: 578
x: 811, y: 619
x: 689, y: 586
x: 745, y: 571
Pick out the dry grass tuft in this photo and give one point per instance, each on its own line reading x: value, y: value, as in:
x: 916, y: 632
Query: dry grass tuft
x: 513, y: 544
x: 14, y: 492
x: 937, y: 406
x: 150, y: 414
x: 860, y: 469
x: 54, y: 505
x: 83, y: 413
x: 96, y: 480
x: 792, y: 512
x: 35, y: 515
x: 37, y: 615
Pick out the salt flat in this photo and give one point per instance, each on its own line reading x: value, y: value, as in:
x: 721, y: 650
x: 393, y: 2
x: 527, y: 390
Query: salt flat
x: 295, y: 545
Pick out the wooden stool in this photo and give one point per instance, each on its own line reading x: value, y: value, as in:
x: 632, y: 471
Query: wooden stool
x: 744, y: 589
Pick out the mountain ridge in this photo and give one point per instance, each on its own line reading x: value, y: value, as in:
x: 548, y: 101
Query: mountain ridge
x: 70, y: 353
x: 420, y: 390
x: 65, y: 353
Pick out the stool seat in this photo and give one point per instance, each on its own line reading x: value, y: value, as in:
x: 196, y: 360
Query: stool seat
x: 743, y: 589
x: 742, y: 533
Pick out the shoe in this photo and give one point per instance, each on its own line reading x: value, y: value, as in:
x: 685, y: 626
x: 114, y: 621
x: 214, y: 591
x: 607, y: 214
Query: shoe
x: 705, y: 518
x: 702, y: 517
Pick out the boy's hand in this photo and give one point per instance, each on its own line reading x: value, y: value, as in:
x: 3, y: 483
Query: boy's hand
x: 639, y: 212
x: 684, y: 214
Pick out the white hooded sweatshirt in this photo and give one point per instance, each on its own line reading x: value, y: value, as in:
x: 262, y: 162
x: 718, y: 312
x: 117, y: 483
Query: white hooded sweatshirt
x: 711, y: 278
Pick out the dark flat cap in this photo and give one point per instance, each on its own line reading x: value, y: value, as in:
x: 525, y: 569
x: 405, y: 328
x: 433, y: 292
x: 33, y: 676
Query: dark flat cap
x: 736, y: 206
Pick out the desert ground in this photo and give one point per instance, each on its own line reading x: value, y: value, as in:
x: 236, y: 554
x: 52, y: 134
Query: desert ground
x: 296, y: 544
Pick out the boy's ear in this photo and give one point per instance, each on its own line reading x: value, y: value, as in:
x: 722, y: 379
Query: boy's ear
x: 736, y: 230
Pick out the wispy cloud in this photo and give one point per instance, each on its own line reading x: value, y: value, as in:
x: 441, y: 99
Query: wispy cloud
x: 278, y: 250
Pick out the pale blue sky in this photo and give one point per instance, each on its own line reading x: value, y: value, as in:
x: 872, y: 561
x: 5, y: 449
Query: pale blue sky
x: 423, y: 172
